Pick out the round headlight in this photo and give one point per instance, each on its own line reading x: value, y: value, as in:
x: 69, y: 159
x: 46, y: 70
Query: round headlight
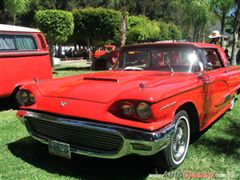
x: 143, y: 110
x: 25, y: 98
x: 127, y: 109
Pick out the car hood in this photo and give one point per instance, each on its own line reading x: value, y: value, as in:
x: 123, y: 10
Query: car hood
x: 104, y: 87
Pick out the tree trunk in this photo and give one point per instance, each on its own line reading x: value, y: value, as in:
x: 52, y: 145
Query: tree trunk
x: 123, y: 28
x: 51, y: 53
x: 14, y: 19
x: 59, y: 52
x: 222, y: 27
x: 235, y: 33
x: 194, y: 34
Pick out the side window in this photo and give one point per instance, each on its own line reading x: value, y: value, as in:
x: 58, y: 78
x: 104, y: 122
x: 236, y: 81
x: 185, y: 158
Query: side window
x: 212, y: 58
x: 17, y: 42
x: 7, y: 42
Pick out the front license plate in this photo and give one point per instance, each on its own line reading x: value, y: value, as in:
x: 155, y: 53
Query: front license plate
x: 59, y: 149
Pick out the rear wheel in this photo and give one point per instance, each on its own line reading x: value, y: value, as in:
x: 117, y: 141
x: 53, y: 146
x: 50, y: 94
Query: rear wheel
x: 174, y: 154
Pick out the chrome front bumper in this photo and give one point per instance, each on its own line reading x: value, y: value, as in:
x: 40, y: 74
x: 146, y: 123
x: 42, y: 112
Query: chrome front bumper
x: 135, y: 141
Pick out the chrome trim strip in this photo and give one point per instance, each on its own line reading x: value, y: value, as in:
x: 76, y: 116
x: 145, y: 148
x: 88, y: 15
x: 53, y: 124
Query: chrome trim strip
x: 156, y: 140
x: 168, y: 105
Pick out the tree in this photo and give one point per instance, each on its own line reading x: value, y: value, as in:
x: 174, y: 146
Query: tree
x: 16, y: 7
x: 124, y: 24
x: 236, y: 26
x: 221, y: 8
x: 96, y: 26
x: 198, y: 15
x: 57, y: 25
x: 122, y: 4
x: 142, y: 29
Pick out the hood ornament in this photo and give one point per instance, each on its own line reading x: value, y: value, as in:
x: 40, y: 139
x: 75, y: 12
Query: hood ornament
x: 142, y: 85
x: 63, y: 103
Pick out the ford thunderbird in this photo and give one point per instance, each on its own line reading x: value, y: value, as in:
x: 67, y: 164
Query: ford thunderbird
x: 156, y: 96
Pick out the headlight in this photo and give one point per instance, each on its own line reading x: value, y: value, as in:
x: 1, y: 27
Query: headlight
x: 143, y: 110
x: 127, y: 109
x: 25, y: 98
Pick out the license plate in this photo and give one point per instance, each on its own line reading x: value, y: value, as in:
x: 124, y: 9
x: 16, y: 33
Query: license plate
x: 59, y: 149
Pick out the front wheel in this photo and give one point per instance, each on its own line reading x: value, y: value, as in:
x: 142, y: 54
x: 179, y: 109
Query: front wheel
x: 174, y: 154
x: 233, y: 101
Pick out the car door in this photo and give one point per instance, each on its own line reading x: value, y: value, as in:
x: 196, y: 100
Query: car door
x: 217, y: 88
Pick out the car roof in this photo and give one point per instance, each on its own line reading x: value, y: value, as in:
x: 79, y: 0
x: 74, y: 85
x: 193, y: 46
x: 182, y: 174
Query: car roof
x: 169, y: 44
x: 12, y: 28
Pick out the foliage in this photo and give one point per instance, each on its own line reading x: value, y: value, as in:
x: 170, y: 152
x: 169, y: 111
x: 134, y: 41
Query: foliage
x: 222, y: 8
x: 194, y: 17
x: 174, y: 32
x: 16, y: 7
x: 96, y: 26
x: 141, y: 29
x: 199, y: 15
x: 57, y: 25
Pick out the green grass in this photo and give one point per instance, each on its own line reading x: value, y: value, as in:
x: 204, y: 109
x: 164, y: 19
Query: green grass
x: 72, y: 68
x: 217, y: 151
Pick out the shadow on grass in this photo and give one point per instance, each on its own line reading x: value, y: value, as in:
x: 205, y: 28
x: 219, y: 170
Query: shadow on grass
x: 36, y: 154
x: 5, y: 104
x: 229, y: 145
x: 73, y: 69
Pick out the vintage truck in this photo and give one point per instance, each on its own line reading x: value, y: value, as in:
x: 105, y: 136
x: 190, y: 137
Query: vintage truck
x: 153, y: 100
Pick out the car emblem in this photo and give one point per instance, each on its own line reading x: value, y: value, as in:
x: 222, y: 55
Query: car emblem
x: 62, y: 103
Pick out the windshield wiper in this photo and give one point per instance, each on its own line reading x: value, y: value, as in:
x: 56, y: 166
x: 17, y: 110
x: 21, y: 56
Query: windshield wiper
x: 131, y: 68
x: 165, y: 62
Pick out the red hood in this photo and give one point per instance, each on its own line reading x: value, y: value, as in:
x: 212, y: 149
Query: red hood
x: 104, y: 87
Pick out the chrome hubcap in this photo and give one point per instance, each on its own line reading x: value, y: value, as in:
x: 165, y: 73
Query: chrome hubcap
x: 180, y: 141
x: 233, y: 102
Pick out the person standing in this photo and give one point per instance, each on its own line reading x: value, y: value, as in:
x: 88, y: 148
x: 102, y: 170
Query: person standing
x: 215, y: 37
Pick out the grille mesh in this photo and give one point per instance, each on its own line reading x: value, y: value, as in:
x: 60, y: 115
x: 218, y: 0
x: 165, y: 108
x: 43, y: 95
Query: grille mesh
x: 78, y: 137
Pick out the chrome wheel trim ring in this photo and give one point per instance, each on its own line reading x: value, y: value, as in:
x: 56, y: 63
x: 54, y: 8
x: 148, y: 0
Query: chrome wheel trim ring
x: 180, y: 140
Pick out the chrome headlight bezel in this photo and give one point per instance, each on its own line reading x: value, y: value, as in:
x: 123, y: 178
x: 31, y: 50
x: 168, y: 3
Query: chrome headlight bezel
x: 136, y: 110
x: 143, y: 110
x: 25, y: 98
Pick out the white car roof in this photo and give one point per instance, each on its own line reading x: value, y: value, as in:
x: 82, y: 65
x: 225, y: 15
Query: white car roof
x: 12, y: 28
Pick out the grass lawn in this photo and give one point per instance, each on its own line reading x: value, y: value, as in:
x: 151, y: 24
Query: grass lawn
x: 216, y: 152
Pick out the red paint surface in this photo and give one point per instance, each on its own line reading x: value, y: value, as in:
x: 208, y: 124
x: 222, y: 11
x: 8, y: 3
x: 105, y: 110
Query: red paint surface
x: 92, y: 95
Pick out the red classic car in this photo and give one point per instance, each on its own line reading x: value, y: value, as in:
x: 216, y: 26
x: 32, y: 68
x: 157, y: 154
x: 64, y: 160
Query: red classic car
x: 154, y: 99
x: 106, y: 49
x: 106, y: 61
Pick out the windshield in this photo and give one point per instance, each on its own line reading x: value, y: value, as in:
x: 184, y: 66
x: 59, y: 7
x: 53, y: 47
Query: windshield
x: 172, y: 59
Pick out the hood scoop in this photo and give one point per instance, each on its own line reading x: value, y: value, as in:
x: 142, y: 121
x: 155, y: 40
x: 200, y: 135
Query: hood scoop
x: 100, y: 79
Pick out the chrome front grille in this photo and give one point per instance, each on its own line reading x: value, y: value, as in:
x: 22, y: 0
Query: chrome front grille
x: 81, y: 138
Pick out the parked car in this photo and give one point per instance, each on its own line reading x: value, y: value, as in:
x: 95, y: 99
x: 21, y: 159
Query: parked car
x: 104, y: 50
x: 24, y: 58
x: 106, y: 61
x: 156, y: 97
